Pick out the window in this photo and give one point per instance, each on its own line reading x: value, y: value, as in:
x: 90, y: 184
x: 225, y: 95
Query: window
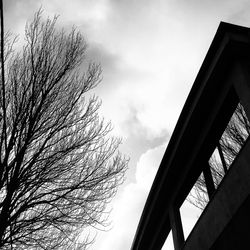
x: 225, y: 152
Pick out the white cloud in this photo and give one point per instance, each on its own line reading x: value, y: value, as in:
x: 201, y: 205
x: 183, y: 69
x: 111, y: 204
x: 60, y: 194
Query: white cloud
x: 77, y: 11
x: 147, y: 167
x: 127, y: 208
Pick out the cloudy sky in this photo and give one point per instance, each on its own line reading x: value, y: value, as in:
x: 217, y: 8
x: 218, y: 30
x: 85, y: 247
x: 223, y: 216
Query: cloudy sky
x: 150, y: 51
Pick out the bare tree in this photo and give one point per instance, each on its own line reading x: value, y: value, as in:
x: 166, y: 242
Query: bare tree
x: 58, y: 167
x: 231, y: 142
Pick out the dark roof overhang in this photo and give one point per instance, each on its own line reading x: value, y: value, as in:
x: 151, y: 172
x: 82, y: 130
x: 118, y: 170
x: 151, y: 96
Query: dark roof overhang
x: 192, y: 139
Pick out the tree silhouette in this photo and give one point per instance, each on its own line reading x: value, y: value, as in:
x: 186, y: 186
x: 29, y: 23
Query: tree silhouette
x: 58, y: 167
x: 230, y: 144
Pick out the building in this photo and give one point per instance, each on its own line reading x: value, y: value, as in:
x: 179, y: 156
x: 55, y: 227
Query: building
x: 221, y: 84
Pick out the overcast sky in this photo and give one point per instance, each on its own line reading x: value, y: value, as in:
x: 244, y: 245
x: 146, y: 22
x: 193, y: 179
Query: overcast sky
x: 150, y: 51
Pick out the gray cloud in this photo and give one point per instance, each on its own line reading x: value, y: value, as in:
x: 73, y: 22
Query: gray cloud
x: 110, y: 64
x: 240, y: 15
x: 137, y: 141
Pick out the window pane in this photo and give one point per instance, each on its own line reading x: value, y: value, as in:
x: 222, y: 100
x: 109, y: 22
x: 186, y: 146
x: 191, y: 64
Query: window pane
x: 216, y: 167
x: 193, y: 206
x: 235, y: 135
x: 169, y: 243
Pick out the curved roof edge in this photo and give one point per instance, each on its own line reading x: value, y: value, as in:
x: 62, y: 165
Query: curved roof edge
x: 151, y: 223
